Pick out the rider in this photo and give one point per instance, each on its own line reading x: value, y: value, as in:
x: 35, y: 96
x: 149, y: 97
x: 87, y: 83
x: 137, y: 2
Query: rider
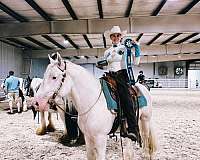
x: 116, y: 64
x: 12, y: 89
x: 141, y: 77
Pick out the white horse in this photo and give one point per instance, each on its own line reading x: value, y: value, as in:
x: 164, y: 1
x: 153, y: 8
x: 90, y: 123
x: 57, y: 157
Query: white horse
x: 94, y: 119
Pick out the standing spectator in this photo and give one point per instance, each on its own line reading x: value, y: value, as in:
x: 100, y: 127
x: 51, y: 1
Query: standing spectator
x: 12, y: 89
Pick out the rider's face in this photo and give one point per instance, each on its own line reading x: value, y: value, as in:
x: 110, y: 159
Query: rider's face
x: 116, y: 38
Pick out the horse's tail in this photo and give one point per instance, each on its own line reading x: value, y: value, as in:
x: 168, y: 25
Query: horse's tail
x: 153, y: 146
x: 149, y: 141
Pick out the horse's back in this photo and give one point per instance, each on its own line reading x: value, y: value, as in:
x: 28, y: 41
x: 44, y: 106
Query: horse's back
x: 35, y: 83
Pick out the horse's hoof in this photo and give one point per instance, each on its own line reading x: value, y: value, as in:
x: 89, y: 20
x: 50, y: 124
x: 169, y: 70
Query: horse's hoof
x: 50, y: 128
x: 40, y: 131
x: 80, y: 141
x: 65, y: 140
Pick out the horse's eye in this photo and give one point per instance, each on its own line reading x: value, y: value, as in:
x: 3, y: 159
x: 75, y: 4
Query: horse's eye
x: 54, y: 77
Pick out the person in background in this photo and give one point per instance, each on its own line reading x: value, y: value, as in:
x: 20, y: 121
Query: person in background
x: 12, y: 90
x: 117, y: 65
x: 141, y: 77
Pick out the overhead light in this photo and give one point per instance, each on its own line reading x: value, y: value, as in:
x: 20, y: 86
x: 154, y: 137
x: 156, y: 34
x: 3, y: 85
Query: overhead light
x: 66, y: 41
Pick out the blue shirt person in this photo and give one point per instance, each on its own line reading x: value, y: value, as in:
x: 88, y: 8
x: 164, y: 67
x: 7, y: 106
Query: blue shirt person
x: 12, y: 89
x: 12, y: 84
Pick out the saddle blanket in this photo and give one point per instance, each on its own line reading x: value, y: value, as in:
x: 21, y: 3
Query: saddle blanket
x: 111, y: 102
x: 142, y: 101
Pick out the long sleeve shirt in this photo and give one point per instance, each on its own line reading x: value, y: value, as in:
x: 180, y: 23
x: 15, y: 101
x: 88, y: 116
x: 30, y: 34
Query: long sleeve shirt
x: 116, y: 58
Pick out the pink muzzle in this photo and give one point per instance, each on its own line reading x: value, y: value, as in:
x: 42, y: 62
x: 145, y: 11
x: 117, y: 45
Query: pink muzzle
x: 41, y: 104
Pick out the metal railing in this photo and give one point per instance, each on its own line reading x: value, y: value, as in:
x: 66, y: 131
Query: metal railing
x: 169, y: 83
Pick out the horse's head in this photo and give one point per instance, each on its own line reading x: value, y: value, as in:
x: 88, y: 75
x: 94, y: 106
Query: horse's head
x: 56, y: 82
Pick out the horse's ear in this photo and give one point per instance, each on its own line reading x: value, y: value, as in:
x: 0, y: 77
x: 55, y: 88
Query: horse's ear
x: 51, y: 59
x: 55, y: 58
x: 59, y: 59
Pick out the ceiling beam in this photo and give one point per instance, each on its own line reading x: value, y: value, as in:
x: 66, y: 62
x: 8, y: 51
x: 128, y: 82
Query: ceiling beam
x: 70, y: 9
x: 159, y: 7
x: 77, y: 57
x: 39, y: 10
x: 25, y: 45
x: 154, y: 38
x: 157, y: 24
x: 186, y: 38
x: 145, y: 50
x: 37, y: 42
x: 10, y: 43
x: 20, y: 19
x: 12, y: 13
x: 128, y: 9
x: 104, y: 40
x: 74, y: 17
x: 188, y: 7
x: 149, y: 59
x: 100, y: 9
x: 195, y: 41
x: 171, y: 38
x: 66, y: 37
x: 87, y: 40
x: 140, y: 36
x: 53, y: 41
x: 143, y: 59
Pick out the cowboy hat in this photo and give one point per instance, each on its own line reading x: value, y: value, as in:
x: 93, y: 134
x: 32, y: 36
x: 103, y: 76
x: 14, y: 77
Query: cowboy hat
x: 114, y: 29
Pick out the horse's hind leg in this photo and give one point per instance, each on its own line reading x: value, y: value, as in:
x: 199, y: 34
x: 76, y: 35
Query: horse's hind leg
x: 50, y: 127
x: 42, y: 129
x: 25, y: 105
x: 144, y: 128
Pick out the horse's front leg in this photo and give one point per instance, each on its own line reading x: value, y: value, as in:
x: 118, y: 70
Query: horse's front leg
x: 100, y: 147
x: 50, y: 127
x: 91, y: 154
x: 62, y: 116
x: 42, y: 129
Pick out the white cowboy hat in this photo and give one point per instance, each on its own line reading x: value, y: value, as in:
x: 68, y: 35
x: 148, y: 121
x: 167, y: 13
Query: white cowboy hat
x: 114, y: 29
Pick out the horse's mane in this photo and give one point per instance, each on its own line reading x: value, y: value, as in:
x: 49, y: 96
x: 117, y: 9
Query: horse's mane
x: 75, y: 69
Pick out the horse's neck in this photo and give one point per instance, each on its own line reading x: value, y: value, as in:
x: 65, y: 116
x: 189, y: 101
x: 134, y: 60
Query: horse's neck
x: 85, y: 90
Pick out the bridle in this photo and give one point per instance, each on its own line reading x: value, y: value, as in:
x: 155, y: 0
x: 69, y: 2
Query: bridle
x: 62, y: 81
x: 52, y: 102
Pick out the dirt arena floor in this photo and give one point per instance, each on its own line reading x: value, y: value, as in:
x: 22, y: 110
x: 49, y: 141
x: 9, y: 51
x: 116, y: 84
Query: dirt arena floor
x: 176, y: 120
